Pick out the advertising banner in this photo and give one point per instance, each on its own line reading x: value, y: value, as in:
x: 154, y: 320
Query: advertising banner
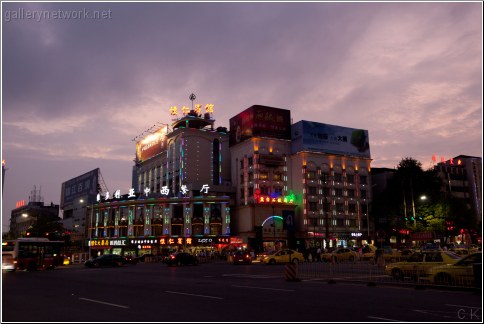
x: 151, y: 145
x: 81, y: 186
x: 260, y: 121
x: 325, y: 138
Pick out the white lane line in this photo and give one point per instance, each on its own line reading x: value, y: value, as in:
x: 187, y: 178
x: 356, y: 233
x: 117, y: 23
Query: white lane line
x: 255, y: 276
x: 180, y: 293
x: 101, y: 302
x: 264, y: 288
x: 384, y: 319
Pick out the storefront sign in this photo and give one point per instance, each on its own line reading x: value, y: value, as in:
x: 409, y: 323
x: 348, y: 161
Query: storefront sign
x: 106, y: 242
x: 356, y: 234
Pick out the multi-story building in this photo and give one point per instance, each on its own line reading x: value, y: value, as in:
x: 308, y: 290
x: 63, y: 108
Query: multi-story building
x: 462, y: 177
x: 330, y: 169
x: 180, y: 195
x: 308, y: 182
x: 27, y: 214
x: 76, y: 194
x: 260, y: 139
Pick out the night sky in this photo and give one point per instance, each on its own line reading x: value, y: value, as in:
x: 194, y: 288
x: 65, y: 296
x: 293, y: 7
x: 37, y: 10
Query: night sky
x: 76, y: 91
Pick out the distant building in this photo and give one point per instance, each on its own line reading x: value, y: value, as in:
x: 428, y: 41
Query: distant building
x: 26, y: 214
x: 462, y: 177
x: 76, y: 194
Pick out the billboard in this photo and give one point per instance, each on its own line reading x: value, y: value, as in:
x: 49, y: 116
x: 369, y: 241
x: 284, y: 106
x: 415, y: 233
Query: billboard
x: 325, y: 138
x: 81, y: 186
x: 152, y: 144
x: 260, y: 121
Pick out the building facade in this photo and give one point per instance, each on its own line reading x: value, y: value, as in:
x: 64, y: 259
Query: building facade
x: 181, y: 193
x: 315, y: 177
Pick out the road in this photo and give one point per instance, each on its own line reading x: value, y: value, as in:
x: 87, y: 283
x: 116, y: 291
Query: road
x: 218, y: 292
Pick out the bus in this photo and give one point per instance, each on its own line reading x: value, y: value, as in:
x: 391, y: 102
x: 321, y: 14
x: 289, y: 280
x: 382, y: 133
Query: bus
x: 32, y: 253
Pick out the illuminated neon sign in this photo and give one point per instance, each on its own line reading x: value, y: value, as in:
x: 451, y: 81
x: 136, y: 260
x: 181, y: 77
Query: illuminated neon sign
x: 266, y: 199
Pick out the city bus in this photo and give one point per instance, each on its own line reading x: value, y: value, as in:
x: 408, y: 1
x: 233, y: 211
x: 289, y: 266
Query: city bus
x: 34, y: 253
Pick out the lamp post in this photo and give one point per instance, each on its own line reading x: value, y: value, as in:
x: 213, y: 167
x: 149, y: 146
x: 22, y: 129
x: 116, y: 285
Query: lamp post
x: 274, y: 225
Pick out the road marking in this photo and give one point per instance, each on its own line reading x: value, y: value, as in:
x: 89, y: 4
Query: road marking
x: 265, y: 288
x: 384, y: 319
x: 242, y: 275
x: 180, y: 293
x: 101, y: 302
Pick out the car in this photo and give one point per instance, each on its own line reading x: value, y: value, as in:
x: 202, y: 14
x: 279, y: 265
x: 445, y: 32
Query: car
x: 340, y: 254
x: 106, y: 260
x: 8, y: 262
x: 241, y: 257
x: 283, y: 256
x: 419, y: 263
x: 181, y: 258
x: 460, y: 273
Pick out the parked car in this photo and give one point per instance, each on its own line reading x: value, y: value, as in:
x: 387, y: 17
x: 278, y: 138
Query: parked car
x: 340, y: 254
x: 419, y: 264
x: 8, y: 262
x: 106, y: 260
x: 181, y: 258
x: 460, y: 273
x: 241, y: 257
x: 283, y: 256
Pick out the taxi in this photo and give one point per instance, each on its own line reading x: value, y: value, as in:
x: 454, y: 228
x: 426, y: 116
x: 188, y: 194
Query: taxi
x: 460, y: 273
x: 283, y: 256
x: 419, y: 264
x: 341, y: 254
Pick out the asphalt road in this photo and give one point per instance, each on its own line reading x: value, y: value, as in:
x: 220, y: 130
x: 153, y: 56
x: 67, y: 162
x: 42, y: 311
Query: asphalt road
x: 218, y: 292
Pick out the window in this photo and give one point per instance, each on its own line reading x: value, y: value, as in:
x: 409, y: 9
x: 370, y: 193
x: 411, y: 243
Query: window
x: 352, y: 208
x: 313, y: 206
x: 340, y: 222
x: 263, y: 176
x: 351, y: 193
x: 363, y: 194
x: 338, y: 192
x: 241, y: 164
x: 312, y: 190
x: 251, y: 161
x: 340, y: 208
x: 338, y: 177
x: 350, y: 178
x: 276, y: 177
x: 251, y: 191
x: 278, y: 191
x: 362, y: 179
x: 241, y: 179
x: 325, y: 191
x: 311, y: 175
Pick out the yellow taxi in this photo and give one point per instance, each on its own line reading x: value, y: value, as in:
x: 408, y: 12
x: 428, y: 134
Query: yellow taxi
x: 419, y: 263
x: 460, y: 273
x: 341, y: 254
x: 283, y: 256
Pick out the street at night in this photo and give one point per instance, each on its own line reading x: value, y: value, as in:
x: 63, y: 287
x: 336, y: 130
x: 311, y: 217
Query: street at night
x: 218, y: 292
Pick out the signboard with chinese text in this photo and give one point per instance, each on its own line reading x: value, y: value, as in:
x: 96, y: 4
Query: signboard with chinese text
x: 81, y: 186
x: 260, y: 121
x: 318, y: 137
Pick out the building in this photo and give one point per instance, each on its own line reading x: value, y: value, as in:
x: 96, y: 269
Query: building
x: 76, y: 194
x: 462, y: 178
x: 260, y: 139
x: 27, y: 214
x: 303, y: 185
x: 181, y: 193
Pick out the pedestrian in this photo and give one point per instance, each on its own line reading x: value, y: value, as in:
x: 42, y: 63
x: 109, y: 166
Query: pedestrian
x: 318, y: 254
